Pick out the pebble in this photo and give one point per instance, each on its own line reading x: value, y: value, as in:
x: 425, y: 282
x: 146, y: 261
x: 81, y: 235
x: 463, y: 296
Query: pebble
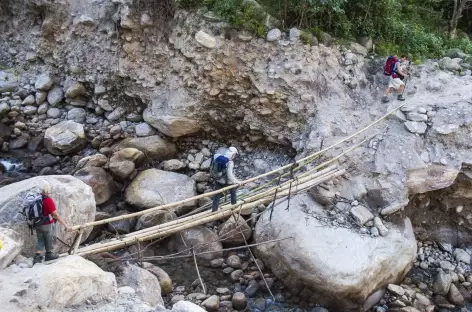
x: 239, y: 301
x: 234, y: 262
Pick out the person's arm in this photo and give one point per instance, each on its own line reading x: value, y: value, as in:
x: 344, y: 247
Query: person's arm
x: 230, y: 173
x: 401, y: 71
x: 58, y: 218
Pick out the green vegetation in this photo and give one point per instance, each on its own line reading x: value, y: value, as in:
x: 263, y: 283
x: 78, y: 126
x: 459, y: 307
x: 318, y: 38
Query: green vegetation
x: 421, y: 28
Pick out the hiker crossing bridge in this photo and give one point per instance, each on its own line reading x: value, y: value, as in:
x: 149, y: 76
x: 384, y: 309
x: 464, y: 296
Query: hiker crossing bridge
x: 289, y: 180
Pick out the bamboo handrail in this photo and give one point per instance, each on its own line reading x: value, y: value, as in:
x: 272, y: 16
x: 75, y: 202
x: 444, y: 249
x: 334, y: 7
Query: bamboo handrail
x: 194, y: 198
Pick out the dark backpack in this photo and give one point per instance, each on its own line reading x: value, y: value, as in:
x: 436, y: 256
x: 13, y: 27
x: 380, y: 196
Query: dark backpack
x: 218, y: 167
x: 389, y: 67
x: 33, y: 210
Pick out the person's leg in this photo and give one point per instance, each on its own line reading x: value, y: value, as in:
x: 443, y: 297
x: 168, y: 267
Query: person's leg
x: 216, y: 197
x: 49, y: 242
x: 385, y: 97
x: 233, y: 196
x: 40, y: 244
x: 400, y: 91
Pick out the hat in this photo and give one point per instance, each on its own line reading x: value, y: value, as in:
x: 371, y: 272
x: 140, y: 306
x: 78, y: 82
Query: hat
x: 231, y: 151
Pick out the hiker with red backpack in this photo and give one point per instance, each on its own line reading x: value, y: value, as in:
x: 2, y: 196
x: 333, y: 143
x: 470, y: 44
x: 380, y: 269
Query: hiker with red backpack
x: 393, y: 68
x: 40, y: 212
x: 222, y: 173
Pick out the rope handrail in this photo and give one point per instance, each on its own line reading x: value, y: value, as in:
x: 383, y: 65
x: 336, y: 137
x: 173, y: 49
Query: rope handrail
x: 302, y: 161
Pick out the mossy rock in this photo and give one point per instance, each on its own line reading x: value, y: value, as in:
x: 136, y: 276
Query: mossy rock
x: 307, y: 37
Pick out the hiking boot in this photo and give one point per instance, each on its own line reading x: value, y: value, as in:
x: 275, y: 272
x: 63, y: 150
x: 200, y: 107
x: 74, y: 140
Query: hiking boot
x: 51, y: 256
x: 400, y: 97
x: 37, y: 259
x: 385, y: 99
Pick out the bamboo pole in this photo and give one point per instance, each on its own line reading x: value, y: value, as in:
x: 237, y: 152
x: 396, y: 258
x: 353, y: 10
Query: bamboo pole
x: 78, y: 241
x: 175, y: 204
x: 180, y: 222
x: 198, y: 272
x: 117, y: 244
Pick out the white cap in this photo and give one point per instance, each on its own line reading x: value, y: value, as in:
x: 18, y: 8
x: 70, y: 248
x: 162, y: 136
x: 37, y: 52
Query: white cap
x: 231, y: 151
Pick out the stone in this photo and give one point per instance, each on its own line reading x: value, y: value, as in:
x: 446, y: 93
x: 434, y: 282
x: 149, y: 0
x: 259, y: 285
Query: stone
x: 442, y: 283
x: 430, y: 178
x: 416, y: 127
x: 54, y: 112
x: 234, y: 262
x: 123, y: 163
x: 446, y: 129
x: 454, y: 296
x: 76, y: 114
x: 144, y: 130
x: 43, y: 83
x: 230, y: 232
x: 154, y: 218
x: 202, y: 239
x: 154, y: 147
x: 294, y: 34
x: 105, y: 105
x: 422, y: 299
x: 125, y: 226
x: 4, y: 108
x: 236, y: 275
x: 155, y: 187
x: 55, y: 96
x: 383, y: 231
x: 325, y: 248
x: 239, y: 301
x: 417, y: 117
x: 319, y: 309
x: 99, y: 180
x: 205, y: 39
x: 173, y: 165
x: 99, y: 90
x: 42, y: 109
x: 65, y: 138
x: 74, y: 203
x: 212, y: 303
x: 261, y: 166
x: 450, y: 64
x: 29, y: 100
x: 185, y: 306
x: 395, y: 289
x: 164, y: 280
x: 274, y: 35
x: 11, y: 245
x: 75, y: 90
x: 252, y: 288
x: 393, y: 208
x: 30, y: 110
x: 60, y: 285
x: 361, y: 215
x: 201, y: 176
x: 358, y: 49
x: 42, y: 161
x: 8, y: 81
x: 177, y: 298
x: 116, y: 114
x: 461, y: 255
x: 79, y: 101
x: 19, y: 142
x: 143, y: 282
x: 172, y: 126
x: 97, y: 160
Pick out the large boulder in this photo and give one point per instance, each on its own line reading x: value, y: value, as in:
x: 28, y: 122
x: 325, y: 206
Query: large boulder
x: 202, y: 239
x: 8, y: 81
x: 172, y: 126
x: 68, y: 282
x: 155, y: 187
x: 74, y: 200
x: 143, y: 282
x: 11, y: 244
x: 164, y: 280
x: 65, y: 138
x: 335, y: 263
x: 99, y: 180
x: 154, y: 147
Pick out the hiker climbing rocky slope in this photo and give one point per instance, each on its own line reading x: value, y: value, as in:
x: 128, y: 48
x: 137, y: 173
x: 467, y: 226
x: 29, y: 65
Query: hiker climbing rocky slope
x: 133, y: 102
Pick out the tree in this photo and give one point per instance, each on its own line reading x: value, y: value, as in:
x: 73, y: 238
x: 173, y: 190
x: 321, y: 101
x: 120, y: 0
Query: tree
x: 459, y: 7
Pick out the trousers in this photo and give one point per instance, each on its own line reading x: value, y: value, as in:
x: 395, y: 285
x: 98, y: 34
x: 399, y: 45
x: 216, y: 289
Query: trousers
x: 216, y: 197
x: 44, y: 235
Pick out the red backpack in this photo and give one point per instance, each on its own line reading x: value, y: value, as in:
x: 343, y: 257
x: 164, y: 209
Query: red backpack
x: 390, y: 65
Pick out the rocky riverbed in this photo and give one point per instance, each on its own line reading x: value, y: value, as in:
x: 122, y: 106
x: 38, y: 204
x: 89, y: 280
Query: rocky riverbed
x: 120, y: 108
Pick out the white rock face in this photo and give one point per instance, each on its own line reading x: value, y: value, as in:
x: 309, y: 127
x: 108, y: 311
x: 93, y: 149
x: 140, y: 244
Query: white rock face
x: 12, y: 244
x: 74, y: 201
x: 69, y: 281
x: 335, y: 263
